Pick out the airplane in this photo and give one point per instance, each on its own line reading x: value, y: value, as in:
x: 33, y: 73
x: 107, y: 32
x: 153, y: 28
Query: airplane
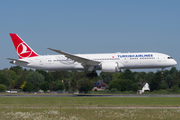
x: 107, y: 62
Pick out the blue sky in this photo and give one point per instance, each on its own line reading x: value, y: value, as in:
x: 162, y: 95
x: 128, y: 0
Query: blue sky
x: 96, y: 26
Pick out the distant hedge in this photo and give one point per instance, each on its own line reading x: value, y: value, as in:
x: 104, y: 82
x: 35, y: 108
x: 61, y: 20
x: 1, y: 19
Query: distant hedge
x: 2, y: 88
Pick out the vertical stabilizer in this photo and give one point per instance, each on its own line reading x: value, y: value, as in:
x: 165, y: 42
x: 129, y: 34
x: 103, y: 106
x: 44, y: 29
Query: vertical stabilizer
x: 23, y: 50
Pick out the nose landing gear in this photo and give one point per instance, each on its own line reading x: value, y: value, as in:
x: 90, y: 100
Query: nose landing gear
x: 162, y: 71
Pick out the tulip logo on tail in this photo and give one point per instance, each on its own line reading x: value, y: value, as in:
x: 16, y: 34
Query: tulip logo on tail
x: 23, y: 50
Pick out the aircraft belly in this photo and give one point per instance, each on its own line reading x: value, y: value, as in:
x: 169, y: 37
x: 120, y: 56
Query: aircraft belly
x: 58, y: 66
x: 143, y: 64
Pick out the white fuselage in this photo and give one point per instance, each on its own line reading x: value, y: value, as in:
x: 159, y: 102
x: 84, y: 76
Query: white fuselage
x: 121, y: 60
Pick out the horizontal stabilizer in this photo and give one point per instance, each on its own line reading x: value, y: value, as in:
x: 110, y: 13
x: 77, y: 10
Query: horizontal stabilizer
x: 17, y: 60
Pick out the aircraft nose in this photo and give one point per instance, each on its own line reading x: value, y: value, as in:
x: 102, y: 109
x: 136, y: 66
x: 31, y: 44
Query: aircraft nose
x: 174, y: 62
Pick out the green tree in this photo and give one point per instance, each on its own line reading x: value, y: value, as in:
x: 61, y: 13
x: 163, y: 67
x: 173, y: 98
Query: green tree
x: 4, y: 79
x: 175, y: 88
x: 117, y: 76
x: 2, y: 88
x: 79, y: 75
x: 66, y: 85
x: 17, y: 69
x: 22, y: 78
x: 178, y: 84
x: 47, y: 77
x: 114, y: 85
x: 73, y: 84
x: 149, y: 77
x: 128, y: 75
x: 176, y: 78
x: 53, y: 85
x: 28, y: 87
x: 142, y: 75
x: 173, y: 71
x: 135, y: 87
x: 10, y: 75
x: 91, y: 74
x: 86, y: 86
x: 57, y: 75
x: 44, y: 86
x: 35, y: 79
x: 106, y: 77
x: 13, y: 84
x: 169, y: 80
x: 60, y: 86
x: 165, y: 73
x: 156, y: 81
x: 163, y: 86
x: 114, y: 90
x: 125, y: 85
x: 60, y: 75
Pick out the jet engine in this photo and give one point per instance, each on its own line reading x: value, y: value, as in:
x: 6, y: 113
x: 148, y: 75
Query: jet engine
x: 112, y: 67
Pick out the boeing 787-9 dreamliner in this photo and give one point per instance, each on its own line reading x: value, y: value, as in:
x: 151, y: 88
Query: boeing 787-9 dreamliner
x: 107, y: 62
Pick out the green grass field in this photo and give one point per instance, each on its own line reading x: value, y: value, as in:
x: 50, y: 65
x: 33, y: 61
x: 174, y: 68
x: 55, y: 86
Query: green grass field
x: 88, y: 108
x: 86, y: 101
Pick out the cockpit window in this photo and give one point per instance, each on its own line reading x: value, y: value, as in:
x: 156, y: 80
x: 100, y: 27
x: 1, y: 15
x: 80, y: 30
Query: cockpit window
x: 170, y: 58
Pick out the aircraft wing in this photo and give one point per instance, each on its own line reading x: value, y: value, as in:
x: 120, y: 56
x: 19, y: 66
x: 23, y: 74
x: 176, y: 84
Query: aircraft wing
x: 83, y: 61
x: 21, y: 61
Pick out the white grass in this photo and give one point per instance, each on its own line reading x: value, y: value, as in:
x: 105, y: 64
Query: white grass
x: 85, y: 114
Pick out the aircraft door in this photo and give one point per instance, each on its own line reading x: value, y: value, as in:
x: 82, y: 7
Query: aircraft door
x: 159, y: 59
x: 41, y: 61
x: 126, y: 59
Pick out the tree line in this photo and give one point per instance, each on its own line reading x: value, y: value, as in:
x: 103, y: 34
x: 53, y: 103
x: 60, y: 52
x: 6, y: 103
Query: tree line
x: 33, y: 80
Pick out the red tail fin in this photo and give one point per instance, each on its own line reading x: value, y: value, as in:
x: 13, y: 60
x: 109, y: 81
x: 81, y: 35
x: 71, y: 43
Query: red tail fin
x: 23, y: 50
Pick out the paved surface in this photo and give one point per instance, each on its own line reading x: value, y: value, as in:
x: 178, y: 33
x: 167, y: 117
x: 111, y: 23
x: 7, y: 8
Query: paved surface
x: 129, y: 95
x: 127, y: 107
x: 60, y: 95
x: 92, y: 107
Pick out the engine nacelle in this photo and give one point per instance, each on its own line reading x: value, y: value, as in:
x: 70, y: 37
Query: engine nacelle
x: 112, y: 67
x: 13, y: 62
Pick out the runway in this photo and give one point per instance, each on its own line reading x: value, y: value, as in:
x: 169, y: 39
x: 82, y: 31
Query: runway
x: 84, y: 95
